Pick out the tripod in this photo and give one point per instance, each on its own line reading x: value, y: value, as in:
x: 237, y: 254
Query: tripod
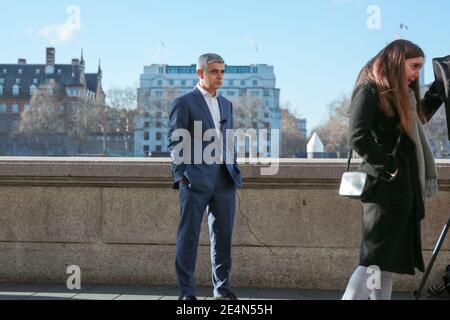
x: 437, y: 248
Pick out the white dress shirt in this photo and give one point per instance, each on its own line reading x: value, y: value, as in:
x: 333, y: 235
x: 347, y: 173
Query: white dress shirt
x: 213, y: 105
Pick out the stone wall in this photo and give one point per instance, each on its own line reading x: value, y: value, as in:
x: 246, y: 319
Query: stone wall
x: 117, y: 219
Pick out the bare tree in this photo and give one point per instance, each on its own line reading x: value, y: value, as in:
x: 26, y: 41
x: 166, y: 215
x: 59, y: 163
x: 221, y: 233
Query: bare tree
x: 89, y: 117
x: 248, y: 112
x: 123, y: 111
x: 293, y: 139
x: 122, y: 98
x: 56, y: 121
x: 333, y: 131
x: 41, y: 123
x: 155, y: 106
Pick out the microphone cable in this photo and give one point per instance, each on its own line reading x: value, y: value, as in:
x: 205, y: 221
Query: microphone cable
x: 247, y: 222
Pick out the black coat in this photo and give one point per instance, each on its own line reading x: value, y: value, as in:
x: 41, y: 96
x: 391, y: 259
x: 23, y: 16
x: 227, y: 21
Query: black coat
x: 392, y: 210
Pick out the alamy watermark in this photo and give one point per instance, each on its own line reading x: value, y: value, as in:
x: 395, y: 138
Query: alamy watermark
x: 253, y: 145
x: 374, y: 19
x: 374, y: 281
x: 74, y: 19
x: 61, y: 33
x: 74, y: 280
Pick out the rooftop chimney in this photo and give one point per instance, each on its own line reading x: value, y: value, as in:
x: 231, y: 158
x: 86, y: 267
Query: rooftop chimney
x: 22, y: 61
x: 50, y: 56
x: 50, y: 61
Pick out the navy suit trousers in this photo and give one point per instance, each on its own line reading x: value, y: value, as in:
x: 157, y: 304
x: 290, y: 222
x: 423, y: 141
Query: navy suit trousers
x: 220, y: 204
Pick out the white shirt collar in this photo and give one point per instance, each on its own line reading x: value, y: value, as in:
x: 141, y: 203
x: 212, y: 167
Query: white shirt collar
x: 206, y: 93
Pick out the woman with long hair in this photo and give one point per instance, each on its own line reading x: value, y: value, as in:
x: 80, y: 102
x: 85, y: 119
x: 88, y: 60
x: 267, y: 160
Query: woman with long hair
x: 385, y: 130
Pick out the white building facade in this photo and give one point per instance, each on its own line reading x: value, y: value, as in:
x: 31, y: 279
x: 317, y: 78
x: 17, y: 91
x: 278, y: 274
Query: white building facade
x: 160, y: 84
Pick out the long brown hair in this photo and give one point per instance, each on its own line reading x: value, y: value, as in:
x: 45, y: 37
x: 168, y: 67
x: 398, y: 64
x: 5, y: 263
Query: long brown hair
x: 387, y: 72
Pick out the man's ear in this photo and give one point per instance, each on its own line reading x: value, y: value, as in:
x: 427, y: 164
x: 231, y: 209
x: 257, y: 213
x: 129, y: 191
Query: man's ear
x: 201, y: 74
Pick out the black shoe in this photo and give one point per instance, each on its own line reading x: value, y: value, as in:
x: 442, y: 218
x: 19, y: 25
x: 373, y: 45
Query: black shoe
x: 187, y: 298
x: 227, y: 296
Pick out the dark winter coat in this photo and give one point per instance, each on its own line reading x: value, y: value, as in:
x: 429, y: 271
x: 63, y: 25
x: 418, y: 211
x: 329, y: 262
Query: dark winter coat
x: 392, y: 210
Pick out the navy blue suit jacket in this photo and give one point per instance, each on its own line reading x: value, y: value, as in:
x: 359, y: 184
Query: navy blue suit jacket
x: 185, y: 111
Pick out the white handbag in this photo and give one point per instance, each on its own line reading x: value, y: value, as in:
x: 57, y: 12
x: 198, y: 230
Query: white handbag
x: 355, y: 183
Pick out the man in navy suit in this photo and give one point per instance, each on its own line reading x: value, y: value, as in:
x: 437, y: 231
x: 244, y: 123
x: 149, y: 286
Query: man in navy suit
x: 204, y: 184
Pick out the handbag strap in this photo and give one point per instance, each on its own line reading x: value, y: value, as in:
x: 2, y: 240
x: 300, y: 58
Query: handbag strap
x: 394, y: 152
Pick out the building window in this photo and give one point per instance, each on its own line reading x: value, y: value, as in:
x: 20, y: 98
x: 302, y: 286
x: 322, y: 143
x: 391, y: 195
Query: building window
x: 158, y: 115
x: 171, y: 82
x: 26, y: 107
x: 255, y: 94
x: 158, y: 148
x: 237, y: 69
x: 230, y: 93
x: 183, y: 82
x: 15, y: 90
x: 1, y: 90
x: 158, y: 124
x: 266, y: 115
x: 20, y: 71
x: 2, y: 81
x: 230, y: 82
x: 70, y: 92
x: 60, y: 126
x: 146, y: 125
x: 181, y: 70
x: 32, y: 89
x: 146, y: 151
x: 158, y: 136
x: 194, y: 82
x: 255, y: 82
x: 2, y: 108
x: 147, y: 115
x: 158, y: 94
x: 159, y: 83
x: 38, y: 71
x: 15, y: 108
x: 14, y: 125
x: 146, y: 136
x: 242, y: 82
x: 5, y: 71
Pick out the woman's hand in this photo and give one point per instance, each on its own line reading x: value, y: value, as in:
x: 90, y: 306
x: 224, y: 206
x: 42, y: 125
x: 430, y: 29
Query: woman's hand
x: 437, y: 87
x: 389, y: 176
x: 393, y: 175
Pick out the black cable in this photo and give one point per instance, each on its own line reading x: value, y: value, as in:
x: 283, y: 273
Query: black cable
x: 265, y: 245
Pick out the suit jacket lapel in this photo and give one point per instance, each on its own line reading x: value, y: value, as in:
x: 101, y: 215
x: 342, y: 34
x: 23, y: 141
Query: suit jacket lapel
x: 203, y: 106
x: 223, y: 112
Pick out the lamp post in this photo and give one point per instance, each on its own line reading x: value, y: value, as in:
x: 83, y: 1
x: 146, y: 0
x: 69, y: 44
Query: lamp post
x: 126, y: 135
x: 103, y: 138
